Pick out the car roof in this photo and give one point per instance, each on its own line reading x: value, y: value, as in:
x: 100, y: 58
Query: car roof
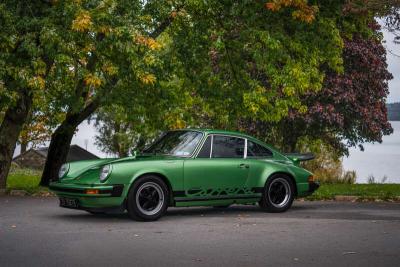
x: 216, y: 131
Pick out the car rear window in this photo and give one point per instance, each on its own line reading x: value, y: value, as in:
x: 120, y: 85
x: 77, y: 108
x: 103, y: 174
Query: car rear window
x: 255, y: 150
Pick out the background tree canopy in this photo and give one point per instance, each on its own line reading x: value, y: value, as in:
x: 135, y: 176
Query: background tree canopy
x: 283, y: 70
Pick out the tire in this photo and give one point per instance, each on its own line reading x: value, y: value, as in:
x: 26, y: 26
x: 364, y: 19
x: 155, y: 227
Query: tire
x: 278, y: 193
x: 148, y: 199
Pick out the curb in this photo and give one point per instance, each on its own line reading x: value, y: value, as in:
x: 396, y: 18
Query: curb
x: 346, y: 198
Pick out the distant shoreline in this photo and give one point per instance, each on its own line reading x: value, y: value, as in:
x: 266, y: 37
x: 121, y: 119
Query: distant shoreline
x: 393, y: 110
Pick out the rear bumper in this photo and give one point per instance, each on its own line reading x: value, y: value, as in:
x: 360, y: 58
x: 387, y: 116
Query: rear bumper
x: 312, y: 187
x: 108, y: 196
x: 306, y: 189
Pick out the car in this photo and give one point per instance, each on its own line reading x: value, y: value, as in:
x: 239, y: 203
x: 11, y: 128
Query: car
x: 182, y: 168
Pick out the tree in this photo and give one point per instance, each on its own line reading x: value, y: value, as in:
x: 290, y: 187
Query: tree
x: 349, y: 110
x: 35, y: 131
x: 246, y: 60
x: 120, y: 133
x: 387, y: 10
x: 23, y: 69
x: 104, y: 48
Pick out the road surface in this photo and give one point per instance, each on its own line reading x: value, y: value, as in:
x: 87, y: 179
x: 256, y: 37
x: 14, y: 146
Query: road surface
x: 36, y: 232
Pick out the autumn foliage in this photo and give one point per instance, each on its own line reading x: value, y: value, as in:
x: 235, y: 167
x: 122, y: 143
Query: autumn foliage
x: 302, y: 11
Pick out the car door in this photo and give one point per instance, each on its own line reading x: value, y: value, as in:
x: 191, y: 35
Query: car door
x: 219, y: 170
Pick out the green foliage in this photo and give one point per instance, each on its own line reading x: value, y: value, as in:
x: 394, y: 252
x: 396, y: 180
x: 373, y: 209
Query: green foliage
x: 120, y: 133
x: 238, y: 54
x: 100, y: 48
x: 21, y: 66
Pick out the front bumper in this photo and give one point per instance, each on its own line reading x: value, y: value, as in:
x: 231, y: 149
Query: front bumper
x: 81, y: 190
x: 106, y: 196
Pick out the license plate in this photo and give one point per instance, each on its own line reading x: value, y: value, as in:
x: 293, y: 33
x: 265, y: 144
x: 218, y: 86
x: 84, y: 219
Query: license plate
x: 69, y: 202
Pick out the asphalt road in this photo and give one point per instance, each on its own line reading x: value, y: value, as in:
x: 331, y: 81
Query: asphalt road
x: 36, y: 232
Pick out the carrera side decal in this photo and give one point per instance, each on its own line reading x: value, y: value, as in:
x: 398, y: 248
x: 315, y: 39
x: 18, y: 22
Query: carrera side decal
x: 217, y: 194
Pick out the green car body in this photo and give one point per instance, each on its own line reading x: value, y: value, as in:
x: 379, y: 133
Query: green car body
x: 191, y: 180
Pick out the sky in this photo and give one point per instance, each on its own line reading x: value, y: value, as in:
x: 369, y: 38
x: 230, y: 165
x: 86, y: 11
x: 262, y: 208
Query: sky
x: 393, y: 60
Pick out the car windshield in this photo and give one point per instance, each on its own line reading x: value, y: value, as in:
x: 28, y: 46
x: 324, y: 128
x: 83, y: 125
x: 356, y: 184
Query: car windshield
x: 176, y: 143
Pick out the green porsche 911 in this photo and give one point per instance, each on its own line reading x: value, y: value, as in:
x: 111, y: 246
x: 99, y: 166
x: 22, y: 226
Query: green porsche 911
x: 187, y: 168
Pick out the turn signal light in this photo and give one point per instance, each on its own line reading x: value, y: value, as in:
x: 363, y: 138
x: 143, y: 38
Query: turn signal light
x: 92, y: 191
x: 311, y: 179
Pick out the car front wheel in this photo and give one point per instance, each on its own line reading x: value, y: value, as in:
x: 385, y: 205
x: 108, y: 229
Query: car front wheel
x: 278, y: 194
x: 148, y: 199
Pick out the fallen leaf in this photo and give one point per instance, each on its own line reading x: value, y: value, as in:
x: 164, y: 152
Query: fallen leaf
x: 349, y: 252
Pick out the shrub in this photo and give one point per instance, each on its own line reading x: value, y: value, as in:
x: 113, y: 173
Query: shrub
x: 327, y: 165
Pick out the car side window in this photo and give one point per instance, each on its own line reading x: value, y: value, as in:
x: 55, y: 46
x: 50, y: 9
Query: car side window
x: 227, y: 147
x: 206, y: 149
x: 257, y: 151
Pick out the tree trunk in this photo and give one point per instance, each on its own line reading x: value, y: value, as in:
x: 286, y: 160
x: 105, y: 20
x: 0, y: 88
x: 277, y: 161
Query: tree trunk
x: 10, y: 129
x: 290, y: 134
x: 23, y: 147
x: 58, y: 150
x: 60, y: 142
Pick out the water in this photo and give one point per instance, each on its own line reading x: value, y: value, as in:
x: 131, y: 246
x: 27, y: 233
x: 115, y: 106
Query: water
x: 377, y: 159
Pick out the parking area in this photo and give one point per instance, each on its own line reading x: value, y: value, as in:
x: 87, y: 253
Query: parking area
x: 36, y: 232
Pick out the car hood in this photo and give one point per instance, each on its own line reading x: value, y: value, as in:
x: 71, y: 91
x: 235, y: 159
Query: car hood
x: 79, y: 167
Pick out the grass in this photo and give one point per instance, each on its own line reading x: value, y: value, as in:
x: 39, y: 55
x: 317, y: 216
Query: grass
x: 24, y: 179
x: 363, y: 191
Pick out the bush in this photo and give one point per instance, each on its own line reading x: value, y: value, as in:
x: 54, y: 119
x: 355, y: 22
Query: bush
x: 327, y: 165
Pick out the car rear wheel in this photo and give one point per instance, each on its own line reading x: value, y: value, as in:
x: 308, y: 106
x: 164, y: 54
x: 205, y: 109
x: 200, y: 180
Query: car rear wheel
x: 278, y: 194
x: 148, y: 199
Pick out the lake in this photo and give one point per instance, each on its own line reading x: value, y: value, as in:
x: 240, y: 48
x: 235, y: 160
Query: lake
x: 377, y: 159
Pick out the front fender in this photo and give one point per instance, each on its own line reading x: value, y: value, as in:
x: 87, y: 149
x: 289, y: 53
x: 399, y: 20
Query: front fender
x: 128, y: 172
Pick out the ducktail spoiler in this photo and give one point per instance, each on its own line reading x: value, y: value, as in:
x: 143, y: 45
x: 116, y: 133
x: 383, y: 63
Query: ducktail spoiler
x: 300, y: 156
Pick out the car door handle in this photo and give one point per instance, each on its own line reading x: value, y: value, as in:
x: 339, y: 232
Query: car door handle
x: 243, y: 166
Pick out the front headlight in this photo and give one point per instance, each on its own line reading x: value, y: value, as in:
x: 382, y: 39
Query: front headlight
x: 63, y: 170
x: 105, y: 172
